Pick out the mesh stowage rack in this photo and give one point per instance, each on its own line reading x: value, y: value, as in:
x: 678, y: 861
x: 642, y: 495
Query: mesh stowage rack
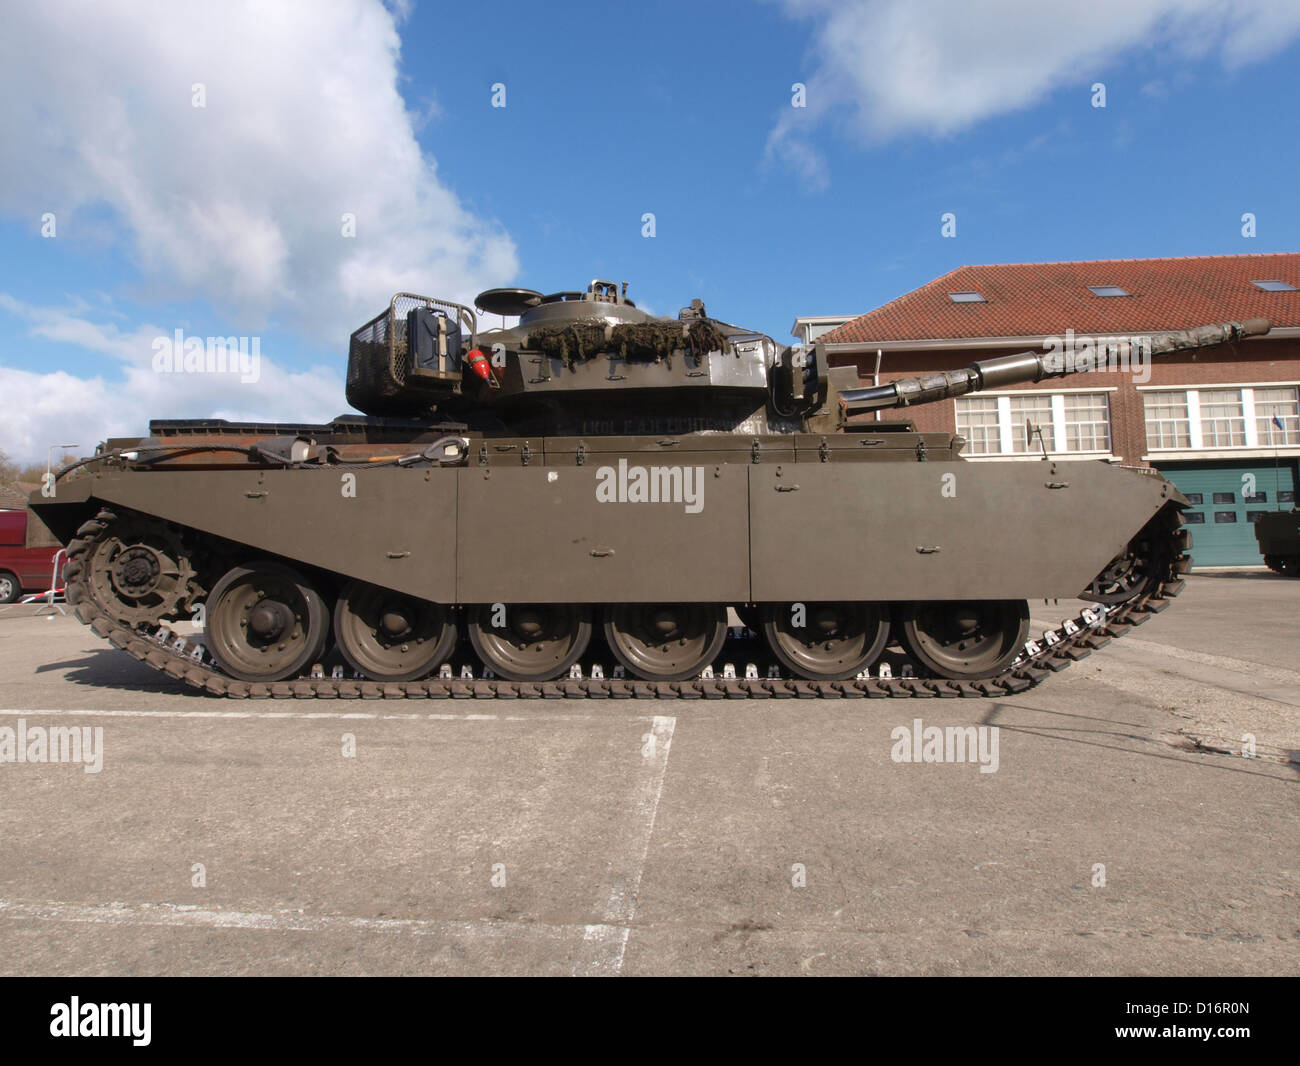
x: 380, y: 379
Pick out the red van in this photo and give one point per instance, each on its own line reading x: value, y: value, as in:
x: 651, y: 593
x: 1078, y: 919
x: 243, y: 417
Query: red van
x: 22, y: 569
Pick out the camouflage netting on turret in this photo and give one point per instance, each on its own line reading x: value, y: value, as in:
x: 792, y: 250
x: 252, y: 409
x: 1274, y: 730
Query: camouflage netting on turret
x: 638, y: 340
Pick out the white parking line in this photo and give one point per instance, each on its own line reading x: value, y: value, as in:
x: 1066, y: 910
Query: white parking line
x: 605, y: 944
x: 179, y: 915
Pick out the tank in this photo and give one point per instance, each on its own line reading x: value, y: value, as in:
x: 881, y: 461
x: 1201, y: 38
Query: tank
x: 1278, y: 535
x: 597, y: 501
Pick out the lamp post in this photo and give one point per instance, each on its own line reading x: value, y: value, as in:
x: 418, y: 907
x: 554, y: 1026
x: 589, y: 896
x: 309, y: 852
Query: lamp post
x: 49, y: 458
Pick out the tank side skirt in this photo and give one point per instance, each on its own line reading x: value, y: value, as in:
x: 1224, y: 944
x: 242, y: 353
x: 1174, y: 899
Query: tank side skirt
x: 724, y: 532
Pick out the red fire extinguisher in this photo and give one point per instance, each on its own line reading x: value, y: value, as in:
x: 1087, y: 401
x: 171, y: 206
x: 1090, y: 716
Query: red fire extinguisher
x: 482, y: 366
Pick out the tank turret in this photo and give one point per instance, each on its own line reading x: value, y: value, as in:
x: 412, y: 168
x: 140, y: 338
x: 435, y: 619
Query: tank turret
x: 584, y: 362
x: 593, y: 363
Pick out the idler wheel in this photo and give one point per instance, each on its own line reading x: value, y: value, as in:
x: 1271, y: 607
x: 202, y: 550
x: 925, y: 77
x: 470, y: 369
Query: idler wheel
x: 665, y: 641
x: 529, y: 641
x: 965, y: 640
x: 391, y: 637
x: 265, y: 622
x: 1138, y: 568
x: 1126, y: 576
x: 825, y: 641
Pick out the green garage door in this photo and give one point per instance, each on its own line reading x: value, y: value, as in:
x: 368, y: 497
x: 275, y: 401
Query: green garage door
x: 1223, y: 508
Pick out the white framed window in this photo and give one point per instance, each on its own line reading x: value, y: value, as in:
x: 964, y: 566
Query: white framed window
x: 977, y: 421
x: 1237, y: 416
x: 1028, y: 413
x: 1223, y: 420
x: 1168, y: 422
x: 1010, y: 424
x: 1273, y: 406
x: 1087, y: 422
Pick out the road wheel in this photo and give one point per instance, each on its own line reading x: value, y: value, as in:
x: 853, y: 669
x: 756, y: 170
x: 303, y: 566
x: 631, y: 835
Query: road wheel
x: 825, y: 641
x: 265, y: 622
x: 965, y: 640
x: 388, y: 636
x: 529, y: 641
x: 10, y: 587
x: 665, y: 642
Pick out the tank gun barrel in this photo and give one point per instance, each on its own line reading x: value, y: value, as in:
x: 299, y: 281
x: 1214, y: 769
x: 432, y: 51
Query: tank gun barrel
x: 1031, y: 366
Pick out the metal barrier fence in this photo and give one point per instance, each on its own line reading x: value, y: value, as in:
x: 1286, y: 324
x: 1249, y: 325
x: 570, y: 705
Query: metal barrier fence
x: 55, y: 590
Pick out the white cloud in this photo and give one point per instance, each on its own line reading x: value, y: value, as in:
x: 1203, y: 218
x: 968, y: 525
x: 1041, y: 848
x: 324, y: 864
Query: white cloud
x: 241, y: 201
x: 65, y: 325
x: 883, y: 68
x: 47, y: 408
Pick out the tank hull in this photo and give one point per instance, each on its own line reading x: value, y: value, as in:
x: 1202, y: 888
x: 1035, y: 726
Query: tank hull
x: 709, y: 519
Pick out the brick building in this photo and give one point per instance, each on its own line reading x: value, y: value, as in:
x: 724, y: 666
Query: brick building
x: 14, y: 494
x: 1209, y: 421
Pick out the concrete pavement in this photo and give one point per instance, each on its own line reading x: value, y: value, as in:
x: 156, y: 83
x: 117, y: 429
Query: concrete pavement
x: 664, y: 837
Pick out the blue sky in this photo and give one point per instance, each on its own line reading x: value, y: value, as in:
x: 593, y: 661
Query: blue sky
x: 225, y: 219
x: 672, y: 115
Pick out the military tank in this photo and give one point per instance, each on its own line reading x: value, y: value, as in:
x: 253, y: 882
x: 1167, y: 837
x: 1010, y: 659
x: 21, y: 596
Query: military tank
x: 1278, y: 536
x: 571, y: 504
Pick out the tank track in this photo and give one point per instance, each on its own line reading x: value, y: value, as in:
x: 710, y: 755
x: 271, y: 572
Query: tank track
x: 183, y: 658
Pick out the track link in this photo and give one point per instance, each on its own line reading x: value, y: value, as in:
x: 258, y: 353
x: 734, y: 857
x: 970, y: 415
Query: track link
x: 185, y: 659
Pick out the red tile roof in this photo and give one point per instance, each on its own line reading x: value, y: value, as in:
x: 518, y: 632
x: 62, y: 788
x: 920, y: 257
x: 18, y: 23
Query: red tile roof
x: 13, y: 494
x: 1045, y: 299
